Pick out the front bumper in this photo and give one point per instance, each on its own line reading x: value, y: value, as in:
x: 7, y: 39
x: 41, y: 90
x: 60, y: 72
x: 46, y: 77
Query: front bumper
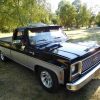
x: 82, y: 81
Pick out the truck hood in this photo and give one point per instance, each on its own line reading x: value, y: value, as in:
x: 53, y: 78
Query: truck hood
x: 72, y: 50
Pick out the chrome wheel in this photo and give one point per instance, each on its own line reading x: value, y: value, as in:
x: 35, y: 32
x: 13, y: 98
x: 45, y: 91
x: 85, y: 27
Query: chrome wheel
x: 46, y: 79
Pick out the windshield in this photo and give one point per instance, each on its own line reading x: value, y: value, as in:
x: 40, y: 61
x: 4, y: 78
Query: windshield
x: 46, y: 36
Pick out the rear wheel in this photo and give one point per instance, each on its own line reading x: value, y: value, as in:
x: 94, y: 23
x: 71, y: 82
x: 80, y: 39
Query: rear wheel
x: 2, y: 57
x: 48, y: 80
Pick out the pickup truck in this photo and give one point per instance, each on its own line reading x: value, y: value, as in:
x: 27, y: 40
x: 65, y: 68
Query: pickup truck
x: 46, y: 50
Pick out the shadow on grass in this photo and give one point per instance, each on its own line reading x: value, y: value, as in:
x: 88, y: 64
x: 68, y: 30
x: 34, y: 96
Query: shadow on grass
x: 93, y: 30
x: 89, y: 37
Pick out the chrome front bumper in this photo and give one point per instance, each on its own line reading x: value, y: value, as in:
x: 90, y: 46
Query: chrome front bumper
x: 82, y: 81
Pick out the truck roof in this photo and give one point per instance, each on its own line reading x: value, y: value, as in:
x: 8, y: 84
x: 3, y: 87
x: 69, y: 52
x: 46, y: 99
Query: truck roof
x: 35, y: 27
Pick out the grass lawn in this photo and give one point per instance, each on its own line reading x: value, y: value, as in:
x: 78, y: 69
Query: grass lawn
x: 20, y: 83
x: 92, y: 34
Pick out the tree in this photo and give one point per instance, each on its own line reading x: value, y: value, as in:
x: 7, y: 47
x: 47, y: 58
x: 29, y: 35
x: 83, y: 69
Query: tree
x: 85, y: 15
x: 66, y: 13
x: 92, y: 20
x: 54, y: 19
x: 77, y: 4
x: 16, y: 13
x: 98, y: 19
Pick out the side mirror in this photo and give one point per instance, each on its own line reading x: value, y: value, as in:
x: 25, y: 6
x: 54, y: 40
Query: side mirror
x: 16, y: 42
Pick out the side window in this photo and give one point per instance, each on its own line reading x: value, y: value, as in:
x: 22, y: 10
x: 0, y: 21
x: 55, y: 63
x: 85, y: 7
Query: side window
x: 19, y: 36
x: 17, y: 41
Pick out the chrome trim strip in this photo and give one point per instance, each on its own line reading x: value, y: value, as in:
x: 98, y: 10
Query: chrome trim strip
x: 82, y: 81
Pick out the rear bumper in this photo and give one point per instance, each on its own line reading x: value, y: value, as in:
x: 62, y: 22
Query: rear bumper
x: 82, y: 81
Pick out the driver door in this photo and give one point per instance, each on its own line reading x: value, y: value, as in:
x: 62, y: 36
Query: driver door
x: 18, y: 54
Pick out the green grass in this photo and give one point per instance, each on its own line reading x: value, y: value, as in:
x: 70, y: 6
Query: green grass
x: 20, y: 83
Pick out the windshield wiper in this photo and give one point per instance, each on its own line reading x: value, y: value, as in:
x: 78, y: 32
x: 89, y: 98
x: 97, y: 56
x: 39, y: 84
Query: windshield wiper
x: 57, y: 37
x: 41, y: 40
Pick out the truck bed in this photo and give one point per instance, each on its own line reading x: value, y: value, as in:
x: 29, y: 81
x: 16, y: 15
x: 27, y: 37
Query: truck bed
x: 6, y: 39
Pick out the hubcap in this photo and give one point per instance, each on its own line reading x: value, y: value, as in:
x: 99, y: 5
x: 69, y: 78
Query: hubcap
x: 2, y: 56
x: 46, y: 79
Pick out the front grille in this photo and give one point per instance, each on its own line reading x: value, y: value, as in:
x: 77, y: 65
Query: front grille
x: 91, y: 61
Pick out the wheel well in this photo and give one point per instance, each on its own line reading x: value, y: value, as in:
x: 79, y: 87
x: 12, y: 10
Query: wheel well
x: 36, y: 68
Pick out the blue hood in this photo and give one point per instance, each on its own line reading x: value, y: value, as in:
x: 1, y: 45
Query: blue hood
x: 74, y: 50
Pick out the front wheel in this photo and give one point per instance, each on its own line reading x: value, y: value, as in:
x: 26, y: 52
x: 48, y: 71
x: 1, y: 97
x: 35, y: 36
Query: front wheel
x: 48, y: 80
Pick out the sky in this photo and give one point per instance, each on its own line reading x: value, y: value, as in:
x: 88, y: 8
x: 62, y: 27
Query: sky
x: 94, y: 4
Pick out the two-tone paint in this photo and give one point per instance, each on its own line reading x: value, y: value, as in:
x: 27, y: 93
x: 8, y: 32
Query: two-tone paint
x: 57, y: 57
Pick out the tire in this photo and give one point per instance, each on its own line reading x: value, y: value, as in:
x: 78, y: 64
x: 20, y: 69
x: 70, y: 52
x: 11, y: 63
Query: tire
x: 48, y: 80
x: 2, y: 57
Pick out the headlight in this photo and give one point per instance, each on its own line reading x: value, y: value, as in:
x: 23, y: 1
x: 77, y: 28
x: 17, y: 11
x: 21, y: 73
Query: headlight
x: 76, y: 68
x: 73, y: 69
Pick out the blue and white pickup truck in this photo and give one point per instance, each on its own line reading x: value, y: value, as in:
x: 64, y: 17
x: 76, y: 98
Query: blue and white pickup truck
x: 56, y: 61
